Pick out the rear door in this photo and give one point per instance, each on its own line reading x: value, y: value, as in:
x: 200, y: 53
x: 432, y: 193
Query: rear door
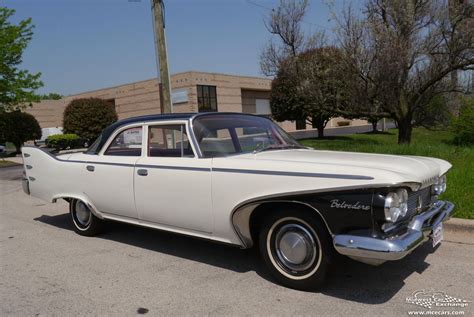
x: 109, y: 175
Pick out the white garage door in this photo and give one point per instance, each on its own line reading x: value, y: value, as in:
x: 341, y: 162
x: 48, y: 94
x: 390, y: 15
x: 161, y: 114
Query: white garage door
x: 263, y: 106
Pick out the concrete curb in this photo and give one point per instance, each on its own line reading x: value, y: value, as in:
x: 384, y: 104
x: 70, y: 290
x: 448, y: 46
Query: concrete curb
x: 15, y: 159
x: 459, y: 225
x: 10, y: 164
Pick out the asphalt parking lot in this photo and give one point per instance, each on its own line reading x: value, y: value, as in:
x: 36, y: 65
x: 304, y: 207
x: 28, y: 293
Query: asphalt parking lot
x: 47, y: 269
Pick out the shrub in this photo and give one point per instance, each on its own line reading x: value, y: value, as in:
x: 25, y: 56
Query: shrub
x: 18, y: 127
x: 343, y: 123
x: 64, y: 141
x: 463, y: 126
x: 87, y: 117
x: 436, y: 114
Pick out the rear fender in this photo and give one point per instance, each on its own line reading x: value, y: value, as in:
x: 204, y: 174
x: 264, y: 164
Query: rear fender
x: 50, y: 178
x: 82, y: 197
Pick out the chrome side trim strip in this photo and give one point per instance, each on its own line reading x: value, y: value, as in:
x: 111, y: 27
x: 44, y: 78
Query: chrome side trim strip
x: 223, y: 170
x: 298, y: 174
x: 102, y: 163
x: 181, y: 168
x: 188, y: 168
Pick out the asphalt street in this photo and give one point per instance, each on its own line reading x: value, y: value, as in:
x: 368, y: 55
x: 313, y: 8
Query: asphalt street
x: 47, y: 269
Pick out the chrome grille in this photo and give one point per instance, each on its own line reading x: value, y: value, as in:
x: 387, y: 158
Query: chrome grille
x: 427, y: 200
x: 426, y: 197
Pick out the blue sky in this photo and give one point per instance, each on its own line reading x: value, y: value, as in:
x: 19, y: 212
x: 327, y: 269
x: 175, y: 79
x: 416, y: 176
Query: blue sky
x: 82, y: 45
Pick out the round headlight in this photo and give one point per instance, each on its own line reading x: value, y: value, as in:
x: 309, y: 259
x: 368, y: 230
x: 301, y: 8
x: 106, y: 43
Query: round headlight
x: 443, y: 183
x: 403, y: 195
x: 392, y: 207
x: 440, y: 186
x: 396, y: 205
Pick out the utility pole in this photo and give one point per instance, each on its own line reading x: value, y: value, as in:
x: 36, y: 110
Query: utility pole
x: 157, y: 8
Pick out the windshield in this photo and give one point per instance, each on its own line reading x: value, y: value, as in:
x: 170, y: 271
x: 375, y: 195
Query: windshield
x: 223, y: 135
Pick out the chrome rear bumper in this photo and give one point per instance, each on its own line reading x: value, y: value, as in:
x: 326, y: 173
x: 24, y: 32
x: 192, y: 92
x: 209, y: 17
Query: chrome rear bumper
x: 376, y: 251
x: 25, y: 184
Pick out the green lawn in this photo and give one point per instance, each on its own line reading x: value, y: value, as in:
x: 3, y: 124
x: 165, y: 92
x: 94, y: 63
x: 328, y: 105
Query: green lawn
x: 424, y: 143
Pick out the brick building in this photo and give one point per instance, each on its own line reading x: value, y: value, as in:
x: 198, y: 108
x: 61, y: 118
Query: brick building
x: 191, y: 92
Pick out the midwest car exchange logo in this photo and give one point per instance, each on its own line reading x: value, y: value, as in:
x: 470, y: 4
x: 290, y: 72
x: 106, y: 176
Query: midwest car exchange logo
x: 432, y: 299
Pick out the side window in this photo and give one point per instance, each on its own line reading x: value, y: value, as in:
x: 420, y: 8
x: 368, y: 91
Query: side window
x: 215, y: 143
x: 126, y: 143
x: 169, y: 141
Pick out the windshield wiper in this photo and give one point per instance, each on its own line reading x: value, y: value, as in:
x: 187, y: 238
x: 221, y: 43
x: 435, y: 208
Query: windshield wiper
x: 269, y: 147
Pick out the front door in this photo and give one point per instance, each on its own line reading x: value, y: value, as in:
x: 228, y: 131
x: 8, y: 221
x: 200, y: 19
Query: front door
x: 172, y: 185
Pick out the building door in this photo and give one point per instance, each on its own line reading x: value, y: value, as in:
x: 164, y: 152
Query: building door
x: 263, y: 107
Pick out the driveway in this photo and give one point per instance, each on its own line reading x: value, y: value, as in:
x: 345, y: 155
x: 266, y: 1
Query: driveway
x: 47, y: 269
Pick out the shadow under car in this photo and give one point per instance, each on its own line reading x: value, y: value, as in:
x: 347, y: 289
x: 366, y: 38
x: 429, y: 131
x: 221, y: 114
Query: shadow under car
x: 347, y: 279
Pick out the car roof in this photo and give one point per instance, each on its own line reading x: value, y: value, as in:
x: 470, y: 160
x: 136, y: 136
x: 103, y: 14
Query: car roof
x: 107, y: 132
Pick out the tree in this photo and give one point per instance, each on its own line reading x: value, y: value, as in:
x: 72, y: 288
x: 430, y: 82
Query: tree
x: 462, y: 126
x: 412, y: 48
x: 285, y: 23
x: 87, y: 117
x: 285, y: 59
x: 436, y: 114
x: 18, y: 127
x: 361, y: 90
x: 17, y: 86
x: 308, y: 87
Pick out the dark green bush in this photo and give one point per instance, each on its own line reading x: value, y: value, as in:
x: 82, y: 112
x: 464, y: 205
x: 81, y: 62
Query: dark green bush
x: 18, y: 127
x: 64, y: 141
x: 87, y: 117
x: 463, y: 126
x: 343, y: 123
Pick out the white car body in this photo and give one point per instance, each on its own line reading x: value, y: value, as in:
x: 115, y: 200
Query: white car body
x: 214, y: 198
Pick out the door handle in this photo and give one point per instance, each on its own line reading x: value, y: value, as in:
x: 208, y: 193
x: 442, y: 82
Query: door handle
x: 90, y: 168
x: 142, y: 172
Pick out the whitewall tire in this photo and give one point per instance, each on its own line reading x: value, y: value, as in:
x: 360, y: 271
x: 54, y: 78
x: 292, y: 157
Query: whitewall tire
x: 295, y: 247
x: 84, y: 221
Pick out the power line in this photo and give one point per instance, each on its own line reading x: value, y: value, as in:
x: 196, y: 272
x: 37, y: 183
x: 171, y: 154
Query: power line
x: 272, y: 9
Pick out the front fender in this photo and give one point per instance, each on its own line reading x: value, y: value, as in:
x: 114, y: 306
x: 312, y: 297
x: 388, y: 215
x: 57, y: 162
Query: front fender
x: 341, y: 211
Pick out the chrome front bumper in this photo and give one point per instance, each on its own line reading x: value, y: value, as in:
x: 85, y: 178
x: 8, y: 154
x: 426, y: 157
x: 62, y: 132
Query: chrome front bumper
x: 376, y: 251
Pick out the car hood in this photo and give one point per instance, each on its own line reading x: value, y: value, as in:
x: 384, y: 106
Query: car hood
x: 383, y: 168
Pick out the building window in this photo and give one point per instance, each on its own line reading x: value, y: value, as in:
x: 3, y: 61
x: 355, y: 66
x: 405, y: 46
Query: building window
x: 207, y: 98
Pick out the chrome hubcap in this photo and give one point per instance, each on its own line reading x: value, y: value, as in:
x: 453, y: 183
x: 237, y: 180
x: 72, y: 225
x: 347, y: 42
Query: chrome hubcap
x: 83, y: 214
x: 295, y: 247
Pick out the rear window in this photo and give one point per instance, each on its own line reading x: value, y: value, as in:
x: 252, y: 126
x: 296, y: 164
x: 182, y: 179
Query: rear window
x: 126, y: 143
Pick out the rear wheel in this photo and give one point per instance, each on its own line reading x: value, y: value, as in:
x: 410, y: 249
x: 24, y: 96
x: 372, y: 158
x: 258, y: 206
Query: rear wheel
x: 84, y: 221
x: 295, y: 247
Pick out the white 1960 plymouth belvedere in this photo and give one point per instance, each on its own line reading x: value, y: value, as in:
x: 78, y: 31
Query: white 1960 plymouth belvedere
x: 240, y: 179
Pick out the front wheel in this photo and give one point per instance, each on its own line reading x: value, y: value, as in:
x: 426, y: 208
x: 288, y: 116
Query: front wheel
x: 84, y: 221
x: 295, y: 247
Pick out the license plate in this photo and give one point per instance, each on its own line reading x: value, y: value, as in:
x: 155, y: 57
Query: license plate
x: 437, y: 234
